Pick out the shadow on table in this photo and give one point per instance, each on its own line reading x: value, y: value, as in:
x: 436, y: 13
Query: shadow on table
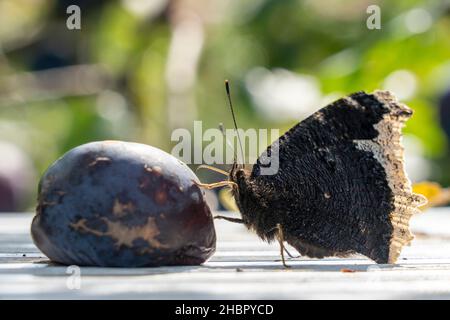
x: 41, y: 267
x: 44, y: 267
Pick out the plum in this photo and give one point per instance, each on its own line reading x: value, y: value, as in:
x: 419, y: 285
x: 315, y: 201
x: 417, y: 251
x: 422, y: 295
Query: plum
x: 122, y: 204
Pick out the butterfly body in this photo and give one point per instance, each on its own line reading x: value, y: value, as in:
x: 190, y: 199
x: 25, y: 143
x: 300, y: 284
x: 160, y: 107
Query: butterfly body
x: 340, y: 188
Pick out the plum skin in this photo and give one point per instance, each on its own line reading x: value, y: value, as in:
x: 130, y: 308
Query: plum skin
x: 122, y: 204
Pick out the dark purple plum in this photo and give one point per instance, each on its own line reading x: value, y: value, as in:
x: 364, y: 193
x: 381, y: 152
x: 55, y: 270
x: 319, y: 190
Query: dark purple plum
x: 122, y: 204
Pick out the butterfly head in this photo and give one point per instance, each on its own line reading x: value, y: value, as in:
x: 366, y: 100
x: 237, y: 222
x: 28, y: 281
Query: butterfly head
x: 238, y: 173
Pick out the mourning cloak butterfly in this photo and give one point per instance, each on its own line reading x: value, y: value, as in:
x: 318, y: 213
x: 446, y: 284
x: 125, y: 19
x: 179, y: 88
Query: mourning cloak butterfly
x: 341, y: 187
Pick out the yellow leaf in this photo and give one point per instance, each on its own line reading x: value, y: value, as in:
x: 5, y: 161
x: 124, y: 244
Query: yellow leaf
x: 227, y: 200
x: 436, y: 195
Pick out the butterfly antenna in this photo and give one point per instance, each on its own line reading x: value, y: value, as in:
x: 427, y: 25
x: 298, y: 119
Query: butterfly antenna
x: 221, y: 128
x: 227, y: 88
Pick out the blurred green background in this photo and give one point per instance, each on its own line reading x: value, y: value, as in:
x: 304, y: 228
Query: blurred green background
x: 138, y: 69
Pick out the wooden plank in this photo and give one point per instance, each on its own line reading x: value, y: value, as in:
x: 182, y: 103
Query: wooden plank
x: 244, y: 267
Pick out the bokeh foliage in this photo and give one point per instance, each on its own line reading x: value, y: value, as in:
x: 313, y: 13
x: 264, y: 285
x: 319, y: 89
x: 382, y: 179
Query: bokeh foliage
x: 129, y: 47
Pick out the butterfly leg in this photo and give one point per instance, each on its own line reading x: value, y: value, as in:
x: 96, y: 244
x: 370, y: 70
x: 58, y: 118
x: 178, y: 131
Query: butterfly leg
x: 210, y: 186
x: 290, y: 254
x: 280, y: 237
x: 235, y: 220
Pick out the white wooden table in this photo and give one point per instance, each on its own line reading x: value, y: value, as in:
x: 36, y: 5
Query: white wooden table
x: 243, y: 267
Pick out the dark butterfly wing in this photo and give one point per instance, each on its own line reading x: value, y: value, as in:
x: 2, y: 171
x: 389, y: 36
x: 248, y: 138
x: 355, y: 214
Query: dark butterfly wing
x: 341, y: 186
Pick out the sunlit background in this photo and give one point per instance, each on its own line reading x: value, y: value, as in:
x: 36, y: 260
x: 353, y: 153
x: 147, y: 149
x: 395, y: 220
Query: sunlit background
x: 139, y: 69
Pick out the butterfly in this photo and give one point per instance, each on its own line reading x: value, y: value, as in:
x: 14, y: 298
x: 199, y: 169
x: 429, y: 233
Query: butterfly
x: 341, y: 186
